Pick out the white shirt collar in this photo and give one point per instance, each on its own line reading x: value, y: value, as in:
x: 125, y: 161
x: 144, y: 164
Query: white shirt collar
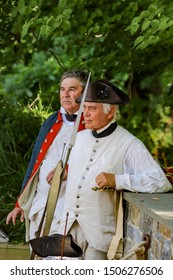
x: 63, y: 112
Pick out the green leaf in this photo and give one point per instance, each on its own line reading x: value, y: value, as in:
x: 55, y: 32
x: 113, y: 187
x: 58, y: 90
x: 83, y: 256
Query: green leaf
x: 138, y: 40
x: 45, y: 31
x: 99, y: 13
x: 151, y: 39
x: 155, y: 23
x: 142, y: 45
x: 152, y: 8
x: 170, y: 23
x: 144, y: 14
x: 21, y: 4
x: 25, y: 11
x: 66, y: 25
x: 82, y: 29
x: 50, y: 21
x: 96, y: 29
x: 58, y: 21
x: 62, y: 3
x: 163, y: 24
x: 145, y: 25
x: 25, y: 28
x: 67, y: 12
x: 136, y: 20
x: 134, y: 28
x: 133, y: 24
x: 33, y: 3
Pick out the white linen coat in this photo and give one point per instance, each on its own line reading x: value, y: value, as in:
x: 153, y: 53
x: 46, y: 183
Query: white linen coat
x: 95, y: 210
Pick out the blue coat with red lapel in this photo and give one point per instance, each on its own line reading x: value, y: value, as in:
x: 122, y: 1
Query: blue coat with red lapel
x: 47, y: 133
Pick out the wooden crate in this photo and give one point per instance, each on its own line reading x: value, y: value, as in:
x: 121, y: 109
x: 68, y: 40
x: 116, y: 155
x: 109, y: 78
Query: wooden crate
x: 14, y: 252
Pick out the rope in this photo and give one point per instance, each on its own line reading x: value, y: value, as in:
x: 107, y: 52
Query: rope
x: 138, y: 249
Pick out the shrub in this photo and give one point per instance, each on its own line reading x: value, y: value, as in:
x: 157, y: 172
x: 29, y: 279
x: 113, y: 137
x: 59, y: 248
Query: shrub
x: 17, y: 135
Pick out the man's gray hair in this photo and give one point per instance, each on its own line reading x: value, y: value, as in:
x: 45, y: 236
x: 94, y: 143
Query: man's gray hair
x: 77, y: 74
x: 107, y: 108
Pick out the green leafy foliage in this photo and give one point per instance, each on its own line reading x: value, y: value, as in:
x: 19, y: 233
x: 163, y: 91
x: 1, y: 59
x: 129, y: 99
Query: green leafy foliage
x: 18, y: 131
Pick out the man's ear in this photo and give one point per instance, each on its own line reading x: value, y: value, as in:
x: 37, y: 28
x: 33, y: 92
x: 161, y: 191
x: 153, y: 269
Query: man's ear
x: 112, y: 112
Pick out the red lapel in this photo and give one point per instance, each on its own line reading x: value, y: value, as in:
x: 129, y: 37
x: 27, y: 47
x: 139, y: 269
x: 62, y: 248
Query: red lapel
x: 47, y: 142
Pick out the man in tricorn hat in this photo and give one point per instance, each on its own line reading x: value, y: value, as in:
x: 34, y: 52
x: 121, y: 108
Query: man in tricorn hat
x: 104, y: 155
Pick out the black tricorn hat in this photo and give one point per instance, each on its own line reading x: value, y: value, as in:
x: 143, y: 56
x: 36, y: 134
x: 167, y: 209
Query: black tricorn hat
x: 103, y: 91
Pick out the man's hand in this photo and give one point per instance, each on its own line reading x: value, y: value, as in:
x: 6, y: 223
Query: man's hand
x: 51, y: 174
x: 12, y: 216
x: 106, y: 180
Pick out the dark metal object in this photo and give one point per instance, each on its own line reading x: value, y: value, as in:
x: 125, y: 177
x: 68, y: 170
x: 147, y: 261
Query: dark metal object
x: 142, y: 254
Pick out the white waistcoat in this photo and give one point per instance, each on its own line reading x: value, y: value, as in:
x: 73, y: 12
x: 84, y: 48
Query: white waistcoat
x: 94, y: 210
x: 34, y: 197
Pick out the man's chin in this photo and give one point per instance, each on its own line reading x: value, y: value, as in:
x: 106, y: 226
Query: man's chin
x: 70, y: 109
x: 67, y: 106
x: 88, y: 125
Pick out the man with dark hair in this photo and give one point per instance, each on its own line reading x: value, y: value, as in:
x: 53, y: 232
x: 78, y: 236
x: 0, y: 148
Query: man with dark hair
x: 105, y: 157
x: 49, y: 149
